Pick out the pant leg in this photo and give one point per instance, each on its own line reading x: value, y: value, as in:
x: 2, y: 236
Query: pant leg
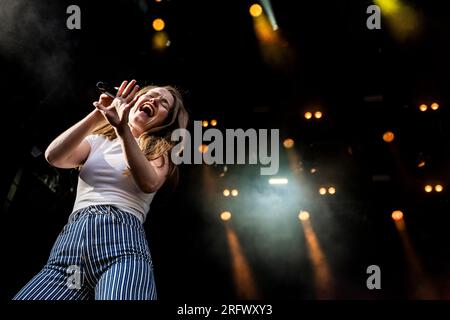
x: 119, y: 256
x: 127, y: 279
x: 62, y: 278
x: 52, y: 283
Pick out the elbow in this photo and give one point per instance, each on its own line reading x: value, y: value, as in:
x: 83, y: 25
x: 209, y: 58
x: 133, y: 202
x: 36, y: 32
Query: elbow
x: 149, y: 187
x: 49, y: 157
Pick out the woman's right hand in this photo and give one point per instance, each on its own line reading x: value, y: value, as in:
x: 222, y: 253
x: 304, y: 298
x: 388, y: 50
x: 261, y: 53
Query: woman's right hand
x: 104, y: 101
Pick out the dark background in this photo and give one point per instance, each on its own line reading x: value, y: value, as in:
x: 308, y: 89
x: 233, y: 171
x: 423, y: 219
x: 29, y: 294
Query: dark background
x: 48, y: 83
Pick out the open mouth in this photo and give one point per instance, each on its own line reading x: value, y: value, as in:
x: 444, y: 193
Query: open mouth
x: 147, y: 109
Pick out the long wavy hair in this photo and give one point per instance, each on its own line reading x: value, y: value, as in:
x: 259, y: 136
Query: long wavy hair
x: 157, y: 142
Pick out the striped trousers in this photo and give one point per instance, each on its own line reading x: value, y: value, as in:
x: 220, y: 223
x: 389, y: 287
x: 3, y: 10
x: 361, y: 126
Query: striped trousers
x: 101, y: 253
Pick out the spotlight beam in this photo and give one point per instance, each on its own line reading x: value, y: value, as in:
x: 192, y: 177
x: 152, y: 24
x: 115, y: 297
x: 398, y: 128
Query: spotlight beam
x: 270, y: 15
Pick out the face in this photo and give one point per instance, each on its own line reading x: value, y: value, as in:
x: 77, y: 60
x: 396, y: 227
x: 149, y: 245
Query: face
x: 151, y: 110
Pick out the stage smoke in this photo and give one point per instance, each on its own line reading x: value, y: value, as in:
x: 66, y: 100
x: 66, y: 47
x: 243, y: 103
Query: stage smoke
x: 34, y: 35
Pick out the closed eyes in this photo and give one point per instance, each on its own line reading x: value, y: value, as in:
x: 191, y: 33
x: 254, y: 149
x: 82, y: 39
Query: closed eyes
x: 164, y: 101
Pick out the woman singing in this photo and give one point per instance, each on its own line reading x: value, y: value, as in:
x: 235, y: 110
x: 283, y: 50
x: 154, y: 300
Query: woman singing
x: 124, y: 150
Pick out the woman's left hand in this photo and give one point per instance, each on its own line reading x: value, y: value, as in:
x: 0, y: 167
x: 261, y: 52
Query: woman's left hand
x: 117, y: 112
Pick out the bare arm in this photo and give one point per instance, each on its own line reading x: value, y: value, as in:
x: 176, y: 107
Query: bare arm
x: 148, y: 175
x: 69, y: 149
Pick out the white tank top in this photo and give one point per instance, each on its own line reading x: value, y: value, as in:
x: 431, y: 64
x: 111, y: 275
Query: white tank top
x: 104, y: 179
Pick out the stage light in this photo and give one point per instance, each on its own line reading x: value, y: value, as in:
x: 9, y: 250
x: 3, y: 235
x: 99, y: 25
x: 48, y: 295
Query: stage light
x: 158, y: 24
x: 275, y: 49
x: 428, y: 188
x: 331, y: 190
x: 423, y: 107
x: 313, y: 170
x: 404, y: 20
x: 205, y: 123
x: 213, y: 122
x: 255, y: 10
x: 388, y: 136
x: 397, y: 215
x: 226, y: 192
x: 389, y: 6
x: 308, y: 115
x: 234, y: 192
x: 203, y: 148
x: 434, y: 106
x: 288, y: 143
x: 303, y: 215
x: 225, y: 216
x: 161, y: 40
x: 318, y: 114
x: 323, y: 191
x: 438, y: 188
x: 278, y: 181
x: 421, y: 164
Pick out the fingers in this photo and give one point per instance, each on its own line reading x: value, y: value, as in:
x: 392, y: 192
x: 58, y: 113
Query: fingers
x: 99, y: 106
x: 121, y: 88
x: 105, y: 100
x: 132, y: 95
x: 128, y: 89
x: 132, y: 102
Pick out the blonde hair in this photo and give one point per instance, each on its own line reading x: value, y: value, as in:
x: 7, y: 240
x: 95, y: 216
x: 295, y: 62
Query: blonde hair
x: 157, y: 142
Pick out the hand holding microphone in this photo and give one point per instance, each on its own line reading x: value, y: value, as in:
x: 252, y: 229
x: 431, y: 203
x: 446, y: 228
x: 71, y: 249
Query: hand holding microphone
x: 108, y: 94
x: 115, y: 108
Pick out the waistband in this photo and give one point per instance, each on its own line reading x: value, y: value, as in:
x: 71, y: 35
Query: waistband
x: 103, y: 209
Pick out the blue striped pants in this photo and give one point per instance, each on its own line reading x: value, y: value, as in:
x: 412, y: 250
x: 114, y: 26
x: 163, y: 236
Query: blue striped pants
x: 102, y: 253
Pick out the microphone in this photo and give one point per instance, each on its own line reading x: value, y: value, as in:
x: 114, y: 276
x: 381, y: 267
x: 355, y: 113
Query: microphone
x: 107, y: 89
